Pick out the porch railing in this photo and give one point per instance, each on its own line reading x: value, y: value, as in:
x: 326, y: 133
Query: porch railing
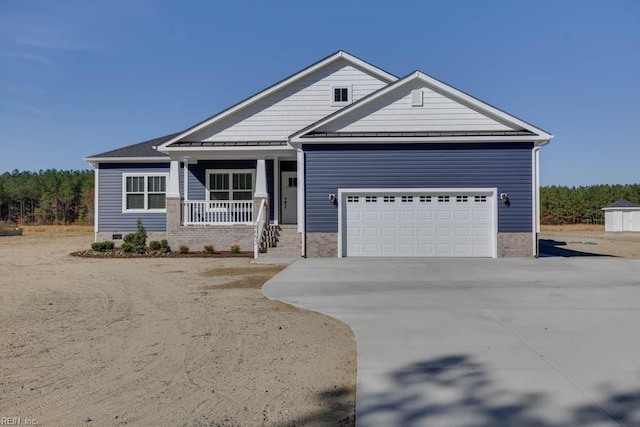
x: 259, y: 228
x: 206, y: 212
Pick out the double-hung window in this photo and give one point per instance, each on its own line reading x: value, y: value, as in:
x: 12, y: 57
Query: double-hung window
x: 144, y: 192
x: 230, y: 184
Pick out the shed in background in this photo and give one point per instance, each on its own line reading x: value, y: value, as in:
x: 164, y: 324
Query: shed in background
x: 622, y: 215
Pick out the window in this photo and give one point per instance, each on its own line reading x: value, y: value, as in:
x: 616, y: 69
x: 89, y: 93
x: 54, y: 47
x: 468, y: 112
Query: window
x: 389, y: 199
x: 230, y: 185
x: 144, y: 192
x: 341, y: 95
x: 462, y: 199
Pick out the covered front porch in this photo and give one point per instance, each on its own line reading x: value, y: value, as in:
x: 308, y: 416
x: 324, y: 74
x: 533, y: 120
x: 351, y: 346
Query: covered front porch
x: 228, y: 201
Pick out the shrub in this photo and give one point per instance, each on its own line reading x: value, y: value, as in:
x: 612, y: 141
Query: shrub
x: 102, y: 246
x: 164, y: 244
x: 184, y: 249
x: 128, y: 247
x: 235, y: 249
x: 154, y: 245
x: 137, y: 240
x: 209, y: 249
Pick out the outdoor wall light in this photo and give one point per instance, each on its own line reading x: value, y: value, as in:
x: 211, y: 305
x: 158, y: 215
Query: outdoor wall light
x: 332, y: 198
x: 505, y: 199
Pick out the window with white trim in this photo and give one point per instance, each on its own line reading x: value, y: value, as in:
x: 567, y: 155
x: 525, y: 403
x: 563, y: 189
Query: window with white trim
x: 230, y: 184
x: 341, y: 95
x: 144, y: 192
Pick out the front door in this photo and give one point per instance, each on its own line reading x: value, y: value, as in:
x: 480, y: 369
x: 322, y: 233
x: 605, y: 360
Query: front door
x: 289, y: 198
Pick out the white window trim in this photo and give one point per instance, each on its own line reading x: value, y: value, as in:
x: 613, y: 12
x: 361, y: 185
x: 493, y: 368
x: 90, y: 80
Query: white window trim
x: 349, y: 95
x: 229, y: 171
x: 146, y: 175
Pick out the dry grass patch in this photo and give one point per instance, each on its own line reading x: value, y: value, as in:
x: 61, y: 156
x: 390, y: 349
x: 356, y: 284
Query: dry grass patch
x: 242, y: 271
x: 572, y: 227
x: 242, y: 278
x: 57, y: 229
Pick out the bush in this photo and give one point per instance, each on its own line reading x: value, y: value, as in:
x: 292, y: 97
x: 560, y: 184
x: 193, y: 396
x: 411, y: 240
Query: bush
x: 164, y: 244
x: 184, y: 249
x: 154, y: 245
x: 209, y: 249
x: 235, y: 249
x: 102, y: 246
x: 137, y: 240
x: 128, y: 247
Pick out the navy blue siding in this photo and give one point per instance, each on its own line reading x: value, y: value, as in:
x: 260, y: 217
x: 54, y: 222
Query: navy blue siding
x: 198, y: 180
x: 110, y: 216
x: 506, y: 166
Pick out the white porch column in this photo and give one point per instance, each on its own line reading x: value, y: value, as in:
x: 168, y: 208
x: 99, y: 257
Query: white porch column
x: 261, y: 179
x: 173, y: 186
x: 185, y: 180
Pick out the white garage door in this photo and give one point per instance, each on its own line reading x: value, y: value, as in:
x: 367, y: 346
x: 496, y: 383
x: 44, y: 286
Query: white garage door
x: 418, y: 223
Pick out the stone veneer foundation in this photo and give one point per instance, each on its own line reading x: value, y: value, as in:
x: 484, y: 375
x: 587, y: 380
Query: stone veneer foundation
x: 322, y: 245
x: 515, y: 245
x: 510, y: 245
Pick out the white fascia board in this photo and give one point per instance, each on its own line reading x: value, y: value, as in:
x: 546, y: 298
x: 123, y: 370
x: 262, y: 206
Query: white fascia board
x: 629, y: 208
x: 414, y: 140
x: 194, y: 156
x: 438, y: 86
x: 96, y: 160
x: 278, y: 86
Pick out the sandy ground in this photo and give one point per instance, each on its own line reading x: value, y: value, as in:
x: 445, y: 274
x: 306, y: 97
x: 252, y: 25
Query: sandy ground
x: 161, y: 342
x: 590, y: 243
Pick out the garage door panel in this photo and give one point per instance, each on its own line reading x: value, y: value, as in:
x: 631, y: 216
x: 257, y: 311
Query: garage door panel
x: 417, y: 224
x: 370, y: 215
x: 443, y: 215
x: 370, y: 232
x: 407, y: 215
x: 425, y: 215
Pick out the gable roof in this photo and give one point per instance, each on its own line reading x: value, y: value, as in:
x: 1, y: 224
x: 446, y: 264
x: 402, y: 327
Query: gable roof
x: 383, y: 75
x: 142, y: 151
x: 622, y: 203
x: 511, y: 126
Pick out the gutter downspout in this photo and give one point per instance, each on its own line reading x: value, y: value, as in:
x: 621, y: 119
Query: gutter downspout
x: 535, y: 168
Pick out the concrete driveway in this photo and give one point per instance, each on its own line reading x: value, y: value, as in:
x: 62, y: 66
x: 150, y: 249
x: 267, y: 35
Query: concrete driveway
x: 491, y: 342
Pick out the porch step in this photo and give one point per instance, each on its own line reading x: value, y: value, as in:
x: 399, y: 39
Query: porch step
x: 283, y: 241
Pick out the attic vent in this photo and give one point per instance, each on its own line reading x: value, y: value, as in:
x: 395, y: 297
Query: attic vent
x: 416, y: 98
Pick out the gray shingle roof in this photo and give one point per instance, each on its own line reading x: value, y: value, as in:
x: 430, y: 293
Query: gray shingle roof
x: 141, y: 149
x: 622, y: 203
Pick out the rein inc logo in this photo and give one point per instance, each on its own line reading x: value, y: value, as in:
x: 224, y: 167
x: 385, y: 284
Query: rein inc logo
x: 17, y: 421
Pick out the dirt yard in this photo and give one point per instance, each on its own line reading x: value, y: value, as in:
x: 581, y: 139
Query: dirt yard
x: 588, y: 241
x: 162, y: 342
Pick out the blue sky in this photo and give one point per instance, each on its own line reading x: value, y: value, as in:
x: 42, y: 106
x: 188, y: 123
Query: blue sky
x: 80, y: 77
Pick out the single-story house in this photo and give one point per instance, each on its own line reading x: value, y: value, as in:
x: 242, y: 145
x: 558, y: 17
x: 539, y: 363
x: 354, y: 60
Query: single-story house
x: 622, y: 215
x: 341, y: 159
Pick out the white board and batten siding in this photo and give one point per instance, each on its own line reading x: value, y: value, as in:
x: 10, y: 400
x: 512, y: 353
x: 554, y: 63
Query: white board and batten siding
x: 294, y: 107
x: 418, y: 222
x: 401, y: 111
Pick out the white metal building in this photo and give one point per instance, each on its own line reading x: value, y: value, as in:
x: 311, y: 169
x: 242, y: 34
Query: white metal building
x: 622, y: 215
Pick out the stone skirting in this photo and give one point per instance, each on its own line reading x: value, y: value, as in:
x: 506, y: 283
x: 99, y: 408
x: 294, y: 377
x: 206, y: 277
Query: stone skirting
x: 222, y: 237
x: 515, y: 245
x: 322, y: 245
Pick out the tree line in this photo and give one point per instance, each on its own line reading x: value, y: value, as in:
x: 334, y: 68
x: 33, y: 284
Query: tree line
x: 582, y: 205
x: 47, y: 197
x: 67, y: 197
